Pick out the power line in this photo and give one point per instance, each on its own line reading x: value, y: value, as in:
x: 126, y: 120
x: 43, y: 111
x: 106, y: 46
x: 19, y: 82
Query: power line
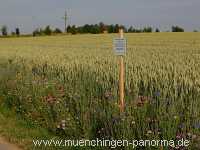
x: 65, y: 19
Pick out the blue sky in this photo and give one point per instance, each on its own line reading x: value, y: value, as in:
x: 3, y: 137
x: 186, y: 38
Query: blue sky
x: 30, y: 14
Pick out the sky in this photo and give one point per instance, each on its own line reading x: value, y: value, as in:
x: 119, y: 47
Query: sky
x: 30, y: 14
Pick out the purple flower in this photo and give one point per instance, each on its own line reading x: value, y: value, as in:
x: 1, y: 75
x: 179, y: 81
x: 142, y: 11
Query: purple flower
x: 197, y: 125
x: 157, y: 93
x: 181, y: 126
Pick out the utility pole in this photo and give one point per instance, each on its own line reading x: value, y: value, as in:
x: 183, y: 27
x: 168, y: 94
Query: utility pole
x: 65, y: 19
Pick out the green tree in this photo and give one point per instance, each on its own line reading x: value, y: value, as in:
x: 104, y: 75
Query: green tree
x: 57, y: 31
x: 177, y: 29
x: 37, y: 32
x: 102, y: 27
x: 147, y: 29
x: 4, y: 30
x: 17, y: 31
x: 86, y: 28
x: 111, y: 28
x: 130, y: 29
x: 116, y: 28
x: 73, y: 30
x: 157, y: 30
x: 95, y: 29
x: 47, y: 30
x: 68, y: 28
x: 122, y: 27
x: 138, y: 30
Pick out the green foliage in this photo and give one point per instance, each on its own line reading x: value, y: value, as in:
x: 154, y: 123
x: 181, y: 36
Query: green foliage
x: 57, y: 30
x: 4, y: 30
x: 37, y: 32
x: 147, y: 29
x: 157, y: 30
x: 111, y: 29
x: 102, y: 27
x: 177, y: 29
x: 144, y: 30
x: 47, y: 30
x: 68, y: 28
x: 73, y: 30
x: 17, y: 31
x: 116, y: 28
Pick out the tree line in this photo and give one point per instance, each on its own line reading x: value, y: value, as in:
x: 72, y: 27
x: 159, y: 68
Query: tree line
x: 89, y: 28
x: 103, y: 28
x: 4, y: 31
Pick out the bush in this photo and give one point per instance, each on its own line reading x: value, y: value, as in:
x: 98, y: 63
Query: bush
x: 47, y: 30
x: 4, y: 30
x: 177, y: 29
x: 57, y: 30
x: 17, y: 32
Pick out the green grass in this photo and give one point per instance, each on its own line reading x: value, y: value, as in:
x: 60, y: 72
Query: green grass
x: 20, y: 132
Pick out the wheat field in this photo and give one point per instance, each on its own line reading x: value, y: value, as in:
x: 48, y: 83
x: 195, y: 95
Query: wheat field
x: 74, y: 79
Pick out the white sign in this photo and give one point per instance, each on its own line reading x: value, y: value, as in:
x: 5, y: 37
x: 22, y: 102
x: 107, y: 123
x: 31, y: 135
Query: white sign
x: 119, y: 46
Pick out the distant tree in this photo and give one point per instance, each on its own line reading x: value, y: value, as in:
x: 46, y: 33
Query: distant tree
x: 17, y: 32
x: 177, y: 29
x: 4, y: 30
x: 98, y: 28
x: 123, y: 27
x: 116, y: 28
x: 195, y: 31
x: 73, y: 30
x: 95, y: 29
x: 37, y: 32
x: 130, y: 30
x: 147, y: 29
x: 157, y: 30
x: 80, y: 29
x: 133, y: 30
x: 57, y: 31
x: 68, y: 28
x: 111, y: 28
x: 86, y: 28
x: 92, y: 29
x: 102, y: 27
x: 41, y: 31
x: 47, y: 30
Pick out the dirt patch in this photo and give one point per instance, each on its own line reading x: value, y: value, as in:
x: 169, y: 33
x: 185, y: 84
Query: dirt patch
x: 5, y: 145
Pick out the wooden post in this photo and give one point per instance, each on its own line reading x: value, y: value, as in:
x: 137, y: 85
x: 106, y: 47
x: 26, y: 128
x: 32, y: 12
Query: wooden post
x: 121, y: 77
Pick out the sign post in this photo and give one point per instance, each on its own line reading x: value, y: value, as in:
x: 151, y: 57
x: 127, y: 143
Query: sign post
x: 120, y: 50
